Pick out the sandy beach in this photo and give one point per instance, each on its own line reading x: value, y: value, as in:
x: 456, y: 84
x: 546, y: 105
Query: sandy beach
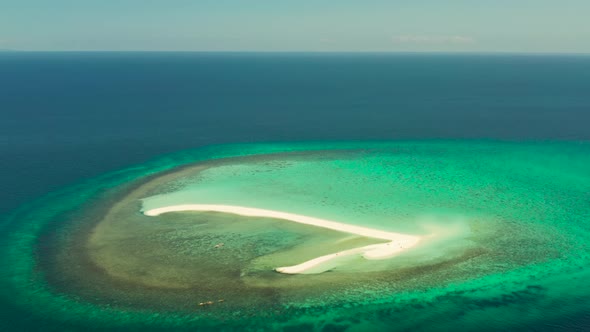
x: 396, y: 242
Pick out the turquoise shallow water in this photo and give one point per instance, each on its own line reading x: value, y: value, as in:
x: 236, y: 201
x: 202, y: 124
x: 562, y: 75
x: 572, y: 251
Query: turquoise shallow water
x: 516, y: 214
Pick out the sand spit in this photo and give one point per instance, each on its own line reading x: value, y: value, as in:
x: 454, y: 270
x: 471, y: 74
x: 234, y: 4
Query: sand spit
x: 396, y: 242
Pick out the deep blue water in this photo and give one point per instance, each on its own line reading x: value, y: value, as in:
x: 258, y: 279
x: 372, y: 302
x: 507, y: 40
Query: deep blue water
x: 69, y: 116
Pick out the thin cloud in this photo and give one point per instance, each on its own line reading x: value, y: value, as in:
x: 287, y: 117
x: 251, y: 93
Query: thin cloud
x: 423, y: 39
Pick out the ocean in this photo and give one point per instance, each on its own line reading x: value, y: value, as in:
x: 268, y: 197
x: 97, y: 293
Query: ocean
x: 70, y: 117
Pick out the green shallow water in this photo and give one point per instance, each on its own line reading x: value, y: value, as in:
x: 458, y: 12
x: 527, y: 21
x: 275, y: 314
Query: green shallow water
x: 511, y: 224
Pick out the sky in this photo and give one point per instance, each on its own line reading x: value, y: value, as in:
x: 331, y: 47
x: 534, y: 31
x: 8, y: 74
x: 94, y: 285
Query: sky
x: 533, y: 26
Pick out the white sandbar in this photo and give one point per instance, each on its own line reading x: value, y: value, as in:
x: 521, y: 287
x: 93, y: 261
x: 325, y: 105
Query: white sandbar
x: 397, y: 242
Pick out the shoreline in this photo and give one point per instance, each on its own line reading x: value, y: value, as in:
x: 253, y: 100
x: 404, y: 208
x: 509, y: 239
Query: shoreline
x: 396, y: 242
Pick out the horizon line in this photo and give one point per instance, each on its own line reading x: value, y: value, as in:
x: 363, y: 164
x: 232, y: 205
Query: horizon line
x: 300, y: 52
